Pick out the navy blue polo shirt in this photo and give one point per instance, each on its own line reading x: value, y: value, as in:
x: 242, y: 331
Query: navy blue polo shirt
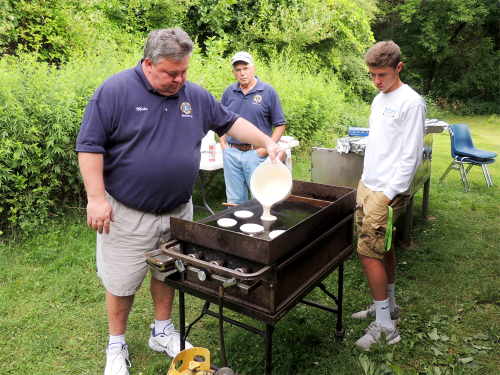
x: 151, y: 143
x: 261, y: 106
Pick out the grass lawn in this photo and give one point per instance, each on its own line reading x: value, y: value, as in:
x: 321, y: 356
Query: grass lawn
x: 53, y: 319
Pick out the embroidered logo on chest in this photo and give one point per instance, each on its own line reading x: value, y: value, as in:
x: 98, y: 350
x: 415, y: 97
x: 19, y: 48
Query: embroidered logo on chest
x: 257, y: 99
x: 186, y: 108
x: 389, y: 112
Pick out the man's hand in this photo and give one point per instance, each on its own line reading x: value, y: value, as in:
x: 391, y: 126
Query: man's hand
x: 99, y: 211
x: 274, y: 150
x: 223, y: 144
x: 246, y: 132
x: 262, y: 152
x: 387, y: 200
x: 282, y: 156
x: 99, y: 214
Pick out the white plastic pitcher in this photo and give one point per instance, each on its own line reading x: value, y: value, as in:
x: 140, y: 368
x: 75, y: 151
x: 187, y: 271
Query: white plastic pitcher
x: 271, y: 184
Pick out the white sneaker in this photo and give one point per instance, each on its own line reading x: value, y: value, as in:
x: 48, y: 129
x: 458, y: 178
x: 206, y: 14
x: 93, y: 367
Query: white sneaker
x: 373, y: 334
x: 168, y: 341
x: 372, y: 311
x: 117, y: 362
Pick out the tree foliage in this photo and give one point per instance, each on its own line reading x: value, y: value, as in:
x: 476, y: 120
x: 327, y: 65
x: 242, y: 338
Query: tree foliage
x: 142, y: 16
x: 55, y: 31
x: 330, y: 34
x: 451, y: 47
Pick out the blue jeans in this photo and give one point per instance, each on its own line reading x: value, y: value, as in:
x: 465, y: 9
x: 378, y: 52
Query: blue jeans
x: 238, y: 169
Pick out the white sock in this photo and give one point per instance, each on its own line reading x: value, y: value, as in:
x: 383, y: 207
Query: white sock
x: 117, y: 339
x: 383, y: 313
x: 160, y: 325
x: 392, y: 298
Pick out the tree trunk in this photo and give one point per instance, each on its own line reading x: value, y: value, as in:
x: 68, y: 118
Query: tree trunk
x: 392, y: 23
x: 431, y: 76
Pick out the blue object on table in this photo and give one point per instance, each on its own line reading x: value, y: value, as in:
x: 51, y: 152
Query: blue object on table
x: 464, y: 153
x: 358, y: 132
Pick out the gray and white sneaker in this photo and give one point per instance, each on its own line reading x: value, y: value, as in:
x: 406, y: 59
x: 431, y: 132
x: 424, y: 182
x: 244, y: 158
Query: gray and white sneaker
x: 168, y: 341
x: 373, y: 334
x: 117, y: 362
x: 372, y: 311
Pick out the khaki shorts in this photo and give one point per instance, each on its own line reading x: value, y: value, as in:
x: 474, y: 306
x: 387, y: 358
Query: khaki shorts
x: 120, y: 263
x: 371, y: 219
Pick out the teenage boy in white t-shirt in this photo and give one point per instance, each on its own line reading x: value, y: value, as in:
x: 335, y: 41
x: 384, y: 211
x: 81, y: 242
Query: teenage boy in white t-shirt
x: 392, y: 156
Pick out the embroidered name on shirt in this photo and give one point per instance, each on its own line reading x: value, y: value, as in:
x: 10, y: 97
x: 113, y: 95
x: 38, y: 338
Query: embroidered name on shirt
x: 389, y: 112
x: 141, y: 109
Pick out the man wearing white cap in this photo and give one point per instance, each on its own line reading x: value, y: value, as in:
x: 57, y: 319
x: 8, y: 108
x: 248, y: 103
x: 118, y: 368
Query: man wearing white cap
x: 259, y: 103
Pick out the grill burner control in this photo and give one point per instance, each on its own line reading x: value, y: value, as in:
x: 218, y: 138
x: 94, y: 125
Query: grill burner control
x: 180, y: 266
x: 229, y: 283
x: 203, y: 275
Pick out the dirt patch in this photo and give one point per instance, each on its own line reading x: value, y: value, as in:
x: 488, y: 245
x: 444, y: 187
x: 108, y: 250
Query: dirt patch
x: 412, y: 246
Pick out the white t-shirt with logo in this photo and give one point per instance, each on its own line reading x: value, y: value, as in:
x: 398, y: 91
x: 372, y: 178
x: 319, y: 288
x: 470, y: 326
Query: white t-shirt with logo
x: 395, y: 145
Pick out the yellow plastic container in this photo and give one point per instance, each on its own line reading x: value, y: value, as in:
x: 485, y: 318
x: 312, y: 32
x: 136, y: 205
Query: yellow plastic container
x: 188, y: 364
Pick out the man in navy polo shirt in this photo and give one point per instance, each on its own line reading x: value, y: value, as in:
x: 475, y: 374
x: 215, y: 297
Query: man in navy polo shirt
x: 139, y: 154
x: 259, y: 103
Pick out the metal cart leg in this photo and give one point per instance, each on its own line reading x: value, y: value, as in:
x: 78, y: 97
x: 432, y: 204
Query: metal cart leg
x: 182, y: 320
x: 408, y: 223
x: 339, y: 332
x: 269, y: 349
x: 425, y: 202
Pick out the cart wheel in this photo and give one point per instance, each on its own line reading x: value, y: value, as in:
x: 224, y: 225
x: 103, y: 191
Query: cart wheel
x: 340, y: 334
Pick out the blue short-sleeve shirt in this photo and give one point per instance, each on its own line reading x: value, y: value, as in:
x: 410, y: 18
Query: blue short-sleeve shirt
x: 151, y: 143
x: 261, y: 106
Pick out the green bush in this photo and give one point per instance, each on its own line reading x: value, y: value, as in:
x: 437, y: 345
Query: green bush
x: 142, y: 16
x: 55, y: 31
x: 41, y: 108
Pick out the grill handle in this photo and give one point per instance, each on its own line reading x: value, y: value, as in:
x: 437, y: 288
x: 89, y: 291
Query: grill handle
x: 213, y: 267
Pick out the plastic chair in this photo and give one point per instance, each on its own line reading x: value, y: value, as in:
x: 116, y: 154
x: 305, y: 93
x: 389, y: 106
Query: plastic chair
x: 464, y: 153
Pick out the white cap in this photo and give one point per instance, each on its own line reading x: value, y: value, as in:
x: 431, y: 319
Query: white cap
x: 242, y: 56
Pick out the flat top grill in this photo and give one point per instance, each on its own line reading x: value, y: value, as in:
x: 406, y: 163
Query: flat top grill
x: 306, y: 214
x: 318, y: 224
